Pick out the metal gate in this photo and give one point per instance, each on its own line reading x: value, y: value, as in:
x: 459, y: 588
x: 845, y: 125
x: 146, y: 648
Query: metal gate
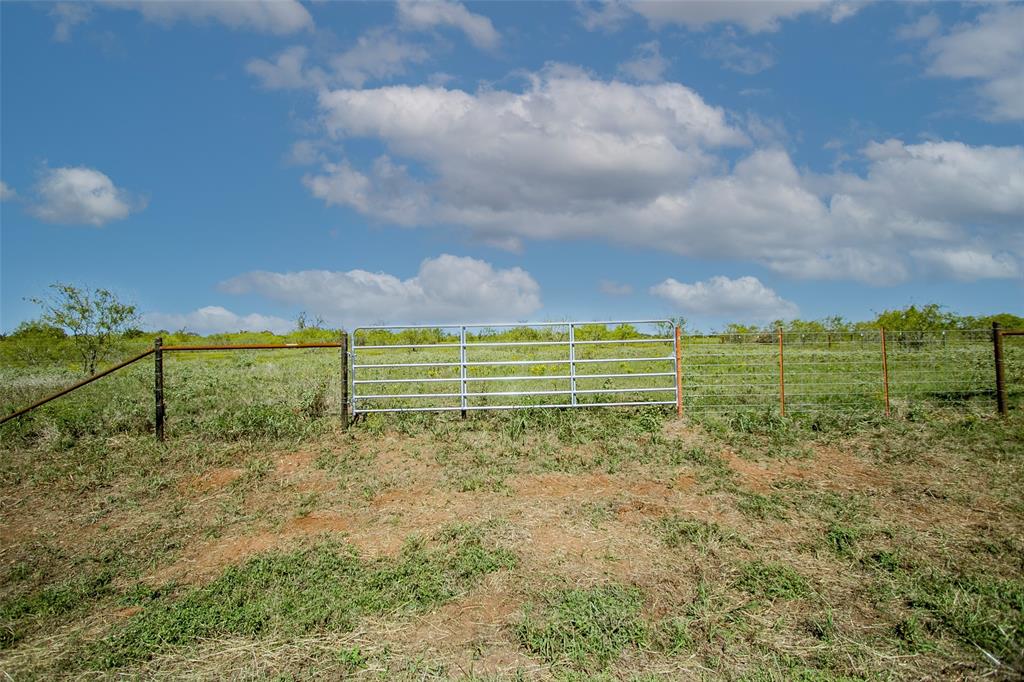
x: 508, y: 366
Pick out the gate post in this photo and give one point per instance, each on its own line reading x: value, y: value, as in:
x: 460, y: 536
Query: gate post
x: 997, y: 346
x: 679, y: 374
x: 344, y: 380
x: 158, y: 386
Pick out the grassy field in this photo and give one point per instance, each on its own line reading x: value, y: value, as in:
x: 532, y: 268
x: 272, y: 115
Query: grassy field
x: 261, y: 541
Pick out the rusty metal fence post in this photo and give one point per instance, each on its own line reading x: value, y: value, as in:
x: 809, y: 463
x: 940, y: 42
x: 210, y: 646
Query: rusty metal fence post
x: 885, y: 373
x: 997, y: 346
x: 679, y: 373
x: 344, y: 380
x: 782, y: 379
x: 158, y: 387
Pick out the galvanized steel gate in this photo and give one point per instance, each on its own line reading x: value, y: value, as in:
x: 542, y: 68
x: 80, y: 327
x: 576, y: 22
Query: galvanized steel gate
x: 408, y: 368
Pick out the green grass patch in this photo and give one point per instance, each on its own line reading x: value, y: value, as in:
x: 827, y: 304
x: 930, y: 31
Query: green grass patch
x: 984, y: 613
x: 327, y: 587
x: 17, y: 613
x: 676, y: 531
x: 587, y: 628
x: 761, y: 507
x: 772, y: 580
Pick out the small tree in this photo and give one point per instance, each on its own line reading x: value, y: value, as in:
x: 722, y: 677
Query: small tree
x: 92, y: 318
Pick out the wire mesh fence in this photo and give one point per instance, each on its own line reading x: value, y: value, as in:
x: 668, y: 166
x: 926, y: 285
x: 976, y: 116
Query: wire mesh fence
x: 238, y: 390
x: 598, y: 364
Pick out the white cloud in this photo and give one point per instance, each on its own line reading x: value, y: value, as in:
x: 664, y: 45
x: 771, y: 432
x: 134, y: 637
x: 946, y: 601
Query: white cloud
x: 608, y: 16
x: 214, y: 319
x: 573, y: 157
x: 304, y: 153
x: 447, y: 288
x: 925, y: 26
x: 755, y: 16
x: 565, y: 144
x: 722, y: 296
x: 263, y: 16
x: 736, y: 57
x: 991, y: 51
x: 81, y: 196
x: 287, y: 70
x: 931, y: 189
x: 647, y: 64
x: 6, y: 192
x: 378, y: 54
x: 967, y: 264
x: 67, y: 15
x: 431, y: 14
x: 613, y: 288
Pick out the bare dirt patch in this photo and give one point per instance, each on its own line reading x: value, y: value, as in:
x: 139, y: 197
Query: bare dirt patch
x: 214, y: 479
x: 288, y: 464
x: 828, y: 468
x: 537, y: 504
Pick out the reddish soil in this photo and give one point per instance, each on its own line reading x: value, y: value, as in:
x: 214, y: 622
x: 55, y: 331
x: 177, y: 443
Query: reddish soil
x: 828, y: 468
x: 214, y: 479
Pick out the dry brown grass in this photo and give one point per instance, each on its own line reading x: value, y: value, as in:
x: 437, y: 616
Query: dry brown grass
x: 579, y: 513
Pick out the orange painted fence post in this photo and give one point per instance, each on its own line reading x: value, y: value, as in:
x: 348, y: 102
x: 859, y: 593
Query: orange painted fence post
x: 885, y: 374
x: 782, y: 379
x: 679, y: 374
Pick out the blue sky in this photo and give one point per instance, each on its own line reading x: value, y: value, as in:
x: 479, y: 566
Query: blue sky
x: 228, y: 165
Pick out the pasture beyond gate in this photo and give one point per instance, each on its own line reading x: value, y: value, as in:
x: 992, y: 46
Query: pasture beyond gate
x: 509, y: 366
x: 557, y: 365
x: 649, y: 362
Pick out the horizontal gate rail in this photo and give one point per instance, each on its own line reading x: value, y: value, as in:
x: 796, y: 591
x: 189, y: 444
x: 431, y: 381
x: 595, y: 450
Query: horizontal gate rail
x: 509, y: 362
x: 500, y: 378
x: 380, y: 365
x: 517, y: 407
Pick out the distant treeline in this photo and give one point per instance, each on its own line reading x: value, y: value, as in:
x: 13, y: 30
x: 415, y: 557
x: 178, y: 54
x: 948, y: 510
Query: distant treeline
x: 931, y: 317
x: 38, y: 343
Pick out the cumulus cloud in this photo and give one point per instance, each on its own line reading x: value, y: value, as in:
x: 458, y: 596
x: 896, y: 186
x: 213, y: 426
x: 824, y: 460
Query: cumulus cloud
x: 6, y: 192
x: 421, y: 15
x: 67, y: 15
x: 608, y: 16
x: 287, y: 70
x: 754, y: 16
x: 722, y: 296
x: 736, y: 57
x: 925, y: 26
x: 279, y: 17
x: 263, y: 16
x: 647, y: 64
x: 989, y: 51
x: 967, y: 264
x: 445, y: 289
x: 213, y: 319
x: 81, y: 196
x: 378, y: 54
x: 564, y: 145
x: 570, y: 156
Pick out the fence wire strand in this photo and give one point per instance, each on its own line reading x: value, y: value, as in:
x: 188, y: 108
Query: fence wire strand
x: 838, y: 371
